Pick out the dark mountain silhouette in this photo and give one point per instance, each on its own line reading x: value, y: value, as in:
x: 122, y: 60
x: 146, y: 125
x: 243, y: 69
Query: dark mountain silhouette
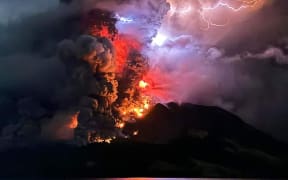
x: 166, y: 123
x: 173, y: 141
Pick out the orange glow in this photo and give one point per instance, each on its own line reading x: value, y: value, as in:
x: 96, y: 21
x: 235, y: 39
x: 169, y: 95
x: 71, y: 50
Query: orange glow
x: 120, y: 125
x: 123, y: 45
x: 146, y: 104
x: 103, y: 140
x: 143, y: 84
x: 142, y: 109
x: 139, y: 112
x: 105, y: 32
x: 74, y: 121
x: 102, y: 31
x: 137, y: 109
x: 135, y: 133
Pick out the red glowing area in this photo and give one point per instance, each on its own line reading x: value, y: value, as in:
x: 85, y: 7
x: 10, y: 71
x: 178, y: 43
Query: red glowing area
x: 135, y: 133
x: 120, y: 125
x: 105, y: 32
x: 74, y: 121
x: 159, y: 85
x: 123, y: 45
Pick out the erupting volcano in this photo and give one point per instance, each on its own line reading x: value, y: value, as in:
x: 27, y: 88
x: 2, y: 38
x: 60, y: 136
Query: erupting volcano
x: 120, y: 74
x: 110, y: 67
x: 94, y: 87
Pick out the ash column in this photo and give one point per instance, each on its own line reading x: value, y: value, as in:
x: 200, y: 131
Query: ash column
x: 90, y: 65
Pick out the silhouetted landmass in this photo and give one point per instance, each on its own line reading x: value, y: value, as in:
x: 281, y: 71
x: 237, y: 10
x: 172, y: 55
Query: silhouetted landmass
x: 179, y: 141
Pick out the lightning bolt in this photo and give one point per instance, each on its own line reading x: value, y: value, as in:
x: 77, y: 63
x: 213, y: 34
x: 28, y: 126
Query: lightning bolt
x: 124, y: 20
x: 244, y: 5
x: 204, y: 10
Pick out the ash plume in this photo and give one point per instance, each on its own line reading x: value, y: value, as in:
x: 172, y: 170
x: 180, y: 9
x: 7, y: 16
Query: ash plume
x: 70, y: 64
x: 77, y: 102
x: 227, y: 66
x: 91, y: 67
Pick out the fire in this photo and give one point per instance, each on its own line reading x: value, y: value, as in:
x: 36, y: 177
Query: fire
x: 136, y: 109
x: 139, y: 112
x: 143, y: 108
x: 123, y: 45
x: 143, y: 84
x: 74, y: 121
x: 105, y: 32
x: 146, y: 105
x: 120, y: 125
x: 135, y: 133
x: 103, y: 140
x: 132, y: 104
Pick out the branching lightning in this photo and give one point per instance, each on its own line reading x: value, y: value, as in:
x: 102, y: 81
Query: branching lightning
x: 206, y: 11
x: 244, y: 5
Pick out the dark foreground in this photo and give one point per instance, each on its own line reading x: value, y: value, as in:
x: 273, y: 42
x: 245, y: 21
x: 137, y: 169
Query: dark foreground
x: 179, y: 141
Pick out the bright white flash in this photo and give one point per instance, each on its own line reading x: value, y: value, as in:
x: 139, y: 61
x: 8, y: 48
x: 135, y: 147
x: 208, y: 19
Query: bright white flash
x: 123, y: 19
x: 159, y: 39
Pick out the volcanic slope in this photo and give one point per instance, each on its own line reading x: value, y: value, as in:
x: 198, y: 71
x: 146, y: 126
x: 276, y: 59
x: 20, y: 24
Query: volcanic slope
x: 173, y: 140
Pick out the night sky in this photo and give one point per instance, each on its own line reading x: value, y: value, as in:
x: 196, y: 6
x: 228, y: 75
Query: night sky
x: 239, y: 64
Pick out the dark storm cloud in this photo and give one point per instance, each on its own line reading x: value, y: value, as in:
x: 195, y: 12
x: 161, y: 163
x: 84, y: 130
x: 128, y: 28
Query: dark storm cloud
x: 242, y: 67
x: 245, y: 71
x: 15, y: 9
x: 26, y: 73
x: 28, y: 47
x: 29, y: 66
x: 254, y: 86
x: 259, y: 48
x: 266, y: 27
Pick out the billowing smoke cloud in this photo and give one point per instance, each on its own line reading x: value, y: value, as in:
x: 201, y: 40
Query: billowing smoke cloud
x: 240, y: 66
x: 46, y: 91
x: 60, y: 127
x: 16, y: 9
x: 142, y: 19
x: 31, y: 73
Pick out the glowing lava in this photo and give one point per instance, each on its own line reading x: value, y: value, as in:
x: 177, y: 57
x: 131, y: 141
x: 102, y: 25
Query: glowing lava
x: 103, y: 140
x: 123, y: 45
x: 131, y: 108
x: 120, y: 125
x: 74, y: 121
x: 137, y: 109
x: 135, y: 133
x: 143, y: 84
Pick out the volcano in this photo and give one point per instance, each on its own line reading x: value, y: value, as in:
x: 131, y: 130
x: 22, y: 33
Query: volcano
x: 118, y: 74
x: 174, y: 140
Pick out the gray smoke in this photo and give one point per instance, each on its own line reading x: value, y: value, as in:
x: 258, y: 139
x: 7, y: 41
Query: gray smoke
x: 241, y: 67
x: 16, y: 9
